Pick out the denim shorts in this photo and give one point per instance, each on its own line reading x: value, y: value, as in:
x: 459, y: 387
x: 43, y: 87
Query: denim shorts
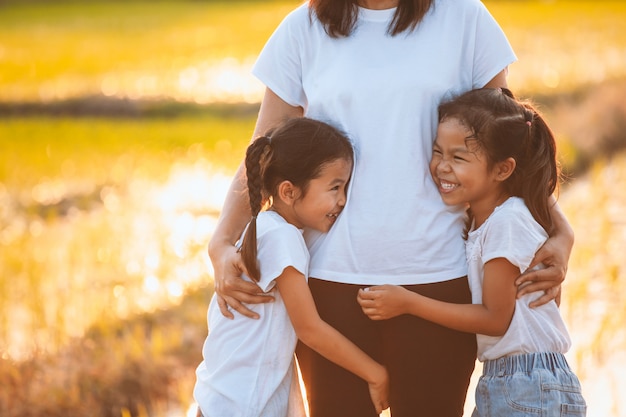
x: 533, y: 384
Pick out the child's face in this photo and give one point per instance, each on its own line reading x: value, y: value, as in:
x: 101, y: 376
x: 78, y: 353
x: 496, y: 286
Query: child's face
x: 459, y: 168
x: 324, y: 199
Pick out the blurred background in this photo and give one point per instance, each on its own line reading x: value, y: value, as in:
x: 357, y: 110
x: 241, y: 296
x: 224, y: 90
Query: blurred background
x: 121, y: 124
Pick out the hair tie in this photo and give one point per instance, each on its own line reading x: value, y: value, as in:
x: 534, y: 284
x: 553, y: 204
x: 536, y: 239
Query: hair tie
x: 528, y: 123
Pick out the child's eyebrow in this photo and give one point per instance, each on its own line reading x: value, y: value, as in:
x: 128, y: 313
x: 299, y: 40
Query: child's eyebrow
x: 463, y: 149
x: 337, y: 181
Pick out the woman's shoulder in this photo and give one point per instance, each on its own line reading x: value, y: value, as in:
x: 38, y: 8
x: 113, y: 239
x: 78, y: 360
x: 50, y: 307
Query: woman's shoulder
x: 298, y: 23
x: 298, y: 16
x: 460, y: 4
x: 464, y: 9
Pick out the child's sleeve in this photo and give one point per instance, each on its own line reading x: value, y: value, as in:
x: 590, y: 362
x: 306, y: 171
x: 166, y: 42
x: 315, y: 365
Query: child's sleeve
x: 513, y: 235
x: 278, y: 249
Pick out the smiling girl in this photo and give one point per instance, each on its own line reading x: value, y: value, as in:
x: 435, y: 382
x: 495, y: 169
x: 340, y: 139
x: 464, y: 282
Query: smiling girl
x: 496, y: 155
x: 300, y: 171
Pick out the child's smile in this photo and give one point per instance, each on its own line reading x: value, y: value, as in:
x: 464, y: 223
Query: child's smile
x: 461, y: 172
x: 325, y: 197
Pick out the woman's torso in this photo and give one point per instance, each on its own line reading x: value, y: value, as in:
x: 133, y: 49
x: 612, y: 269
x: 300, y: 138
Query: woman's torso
x: 383, y: 92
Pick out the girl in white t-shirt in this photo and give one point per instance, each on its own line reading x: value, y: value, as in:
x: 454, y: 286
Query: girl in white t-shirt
x: 497, y: 156
x: 300, y: 172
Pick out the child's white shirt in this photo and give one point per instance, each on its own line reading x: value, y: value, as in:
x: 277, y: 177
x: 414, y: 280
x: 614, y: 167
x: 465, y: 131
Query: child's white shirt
x: 511, y: 232
x: 248, y: 364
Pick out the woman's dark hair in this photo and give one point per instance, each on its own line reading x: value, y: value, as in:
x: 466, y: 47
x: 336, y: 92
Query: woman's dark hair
x: 504, y: 127
x: 295, y: 151
x: 339, y: 17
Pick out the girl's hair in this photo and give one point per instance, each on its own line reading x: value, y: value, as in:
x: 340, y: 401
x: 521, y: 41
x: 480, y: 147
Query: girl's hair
x: 504, y: 127
x: 339, y: 17
x: 295, y: 151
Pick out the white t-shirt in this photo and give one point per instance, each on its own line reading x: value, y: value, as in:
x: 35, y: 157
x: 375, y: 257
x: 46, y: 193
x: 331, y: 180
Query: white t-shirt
x: 248, y: 364
x: 383, y: 91
x: 511, y: 232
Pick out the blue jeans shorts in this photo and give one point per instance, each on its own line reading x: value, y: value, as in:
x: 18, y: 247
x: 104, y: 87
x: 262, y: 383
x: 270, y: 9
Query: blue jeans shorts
x: 533, y: 384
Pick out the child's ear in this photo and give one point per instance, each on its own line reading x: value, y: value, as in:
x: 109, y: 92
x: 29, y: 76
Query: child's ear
x: 288, y: 192
x: 505, y: 168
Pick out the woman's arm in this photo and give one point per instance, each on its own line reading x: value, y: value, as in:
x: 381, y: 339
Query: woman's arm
x: 326, y: 340
x: 492, y: 317
x: 554, y: 254
x: 231, y: 290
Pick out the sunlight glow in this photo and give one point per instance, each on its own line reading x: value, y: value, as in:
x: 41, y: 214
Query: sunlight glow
x: 49, y: 192
x: 174, y: 289
x: 110, y: 198
x: 118, y: 290
x: 109, y: 86
x: 550, y: 77
x: 225, y: 80
x: 151, y: 284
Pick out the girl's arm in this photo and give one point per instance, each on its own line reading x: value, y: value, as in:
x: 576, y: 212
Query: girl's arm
x: 231, y: 290
x: 492, y: 317
x: 326, y: 340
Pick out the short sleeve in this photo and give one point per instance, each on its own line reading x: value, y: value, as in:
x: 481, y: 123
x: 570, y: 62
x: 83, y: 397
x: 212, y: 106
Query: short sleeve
x: 278, y: 249
x: 492, y: 52
x: 279, y: 66
x: 513, y: 235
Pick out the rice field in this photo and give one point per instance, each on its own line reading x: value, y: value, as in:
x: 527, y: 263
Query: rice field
x: 116, y: 150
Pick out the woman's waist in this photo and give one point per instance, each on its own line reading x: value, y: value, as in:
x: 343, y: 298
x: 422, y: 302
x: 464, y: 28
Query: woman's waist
x: 372, y: 260
x: 335, y: 273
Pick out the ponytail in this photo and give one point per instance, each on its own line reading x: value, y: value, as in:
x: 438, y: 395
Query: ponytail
x: 539, y: 169
x: 256, y: 158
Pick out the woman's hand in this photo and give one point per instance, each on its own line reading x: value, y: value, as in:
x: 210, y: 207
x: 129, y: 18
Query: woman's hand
x: 231, y: 290
x: 554, y: 255
x: 383, y: 302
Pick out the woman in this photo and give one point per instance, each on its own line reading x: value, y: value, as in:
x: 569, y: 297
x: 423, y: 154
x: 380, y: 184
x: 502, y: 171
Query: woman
x: 378, y: 70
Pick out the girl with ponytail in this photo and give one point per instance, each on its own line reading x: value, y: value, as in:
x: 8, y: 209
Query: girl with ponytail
x: 297, y: 176
x: 496, y: 156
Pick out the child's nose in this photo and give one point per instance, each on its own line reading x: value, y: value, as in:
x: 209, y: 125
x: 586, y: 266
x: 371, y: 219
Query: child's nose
x: 443, y: 166
x: 342, y: 200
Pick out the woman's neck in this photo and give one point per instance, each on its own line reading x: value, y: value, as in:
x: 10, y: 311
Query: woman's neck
x: 378, y: 4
